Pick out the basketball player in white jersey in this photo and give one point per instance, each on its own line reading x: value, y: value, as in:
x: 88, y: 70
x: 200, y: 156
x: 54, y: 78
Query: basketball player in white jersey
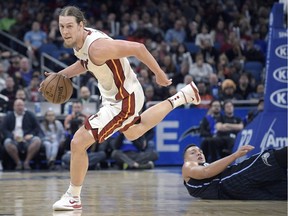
x: 122, y: 93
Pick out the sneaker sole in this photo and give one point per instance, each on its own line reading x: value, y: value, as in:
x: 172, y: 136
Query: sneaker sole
x: 67, y: 208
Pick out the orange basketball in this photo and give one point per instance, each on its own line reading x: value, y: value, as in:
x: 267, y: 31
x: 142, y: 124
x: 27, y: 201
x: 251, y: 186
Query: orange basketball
x: 57, y: 88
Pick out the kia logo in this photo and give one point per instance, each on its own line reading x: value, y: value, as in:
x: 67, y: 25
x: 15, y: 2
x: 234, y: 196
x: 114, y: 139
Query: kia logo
x: 282, y: 51
x: 281, y: 74
x: 280, y: 98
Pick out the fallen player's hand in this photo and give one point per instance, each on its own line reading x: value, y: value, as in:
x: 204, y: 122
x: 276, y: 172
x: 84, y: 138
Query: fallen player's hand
x: 244, y: 150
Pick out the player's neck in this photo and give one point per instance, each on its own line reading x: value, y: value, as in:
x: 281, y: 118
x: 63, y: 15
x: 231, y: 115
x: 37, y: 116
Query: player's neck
x: 79, y: 45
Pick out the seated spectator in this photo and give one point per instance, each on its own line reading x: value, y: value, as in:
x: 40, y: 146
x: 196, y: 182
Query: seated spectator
x: 205, y: 95
x: 177, y: 34
x: 22, y: 132
x: 254, y: 112
x: 54, y: 136
x: 73, y: 121
x: 20, y: 94
x: 96, y: 154
x: 54, y: 35
x: 228, y: 89
x: 214, y: 85
x: 25, y: 72
x: 187, y: 79
x: 9, y: 92
x: 192, y: 31
x: 3, y: 103
x: 3, y: 76
x: 33, y: 40
x: 203, y: 36
x: 258, y: 94
x: 133, y: 155
x: 244, y: 88
x: 227, y: 127
x: 209, y: 52
x: 208, y: 129
x: 200, y: 70
x: 33, y: 95
x: 181, y: 55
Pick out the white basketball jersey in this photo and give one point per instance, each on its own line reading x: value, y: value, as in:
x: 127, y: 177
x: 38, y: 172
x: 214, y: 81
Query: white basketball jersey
x: 116, y: 79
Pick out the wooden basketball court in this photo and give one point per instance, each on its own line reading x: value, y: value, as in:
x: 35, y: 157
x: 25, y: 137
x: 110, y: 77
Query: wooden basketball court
x: 115, y: 192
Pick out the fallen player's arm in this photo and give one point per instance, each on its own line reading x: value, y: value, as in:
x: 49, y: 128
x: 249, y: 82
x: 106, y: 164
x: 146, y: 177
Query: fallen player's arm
x: 194, y: 170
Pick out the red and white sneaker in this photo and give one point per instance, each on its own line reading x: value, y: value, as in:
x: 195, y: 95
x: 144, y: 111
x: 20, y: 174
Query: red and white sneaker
x: 67, y: 202
x: 188, y: 94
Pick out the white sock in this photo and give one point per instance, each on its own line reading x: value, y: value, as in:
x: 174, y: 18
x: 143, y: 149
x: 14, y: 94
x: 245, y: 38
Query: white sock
x: 74, y: 190
x: 178, y: 99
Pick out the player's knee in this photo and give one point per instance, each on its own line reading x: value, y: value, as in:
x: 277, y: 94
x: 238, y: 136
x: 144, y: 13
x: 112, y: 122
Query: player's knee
x: 75, y: 144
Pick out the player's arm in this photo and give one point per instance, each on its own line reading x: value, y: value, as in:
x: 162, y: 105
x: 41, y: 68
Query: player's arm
x: 102, y: 50
x: 73, y: 70
x: 193, y: 170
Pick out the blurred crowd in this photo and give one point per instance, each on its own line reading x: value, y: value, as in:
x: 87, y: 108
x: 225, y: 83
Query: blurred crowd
x: 207, y: 41
x: 212, y: 42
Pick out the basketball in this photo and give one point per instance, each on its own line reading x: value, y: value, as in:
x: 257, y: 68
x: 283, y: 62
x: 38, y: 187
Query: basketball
x: 57, y: 88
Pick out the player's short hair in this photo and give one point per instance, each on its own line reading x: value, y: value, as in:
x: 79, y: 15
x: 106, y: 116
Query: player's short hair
x: 73, y: 11
x: 187, y: 147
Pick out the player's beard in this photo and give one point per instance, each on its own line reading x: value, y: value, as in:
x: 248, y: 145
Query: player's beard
x: 68, y: 45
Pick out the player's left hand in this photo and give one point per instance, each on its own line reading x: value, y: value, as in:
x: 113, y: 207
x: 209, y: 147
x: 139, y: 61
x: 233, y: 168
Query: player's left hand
x: 41, y: 84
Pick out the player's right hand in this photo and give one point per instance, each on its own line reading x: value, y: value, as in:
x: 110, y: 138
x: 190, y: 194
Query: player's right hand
x: 243, y: 150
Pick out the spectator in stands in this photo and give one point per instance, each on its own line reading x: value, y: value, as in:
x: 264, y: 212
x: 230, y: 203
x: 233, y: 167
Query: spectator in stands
x: 228, y: 89
x: 96, y: 154
x: 3, y: 103
x: 210, y: 54
x: 176, y: 34
x: 208, y: 129
x: 149, y: 95
x: 3, y: 76
x: 192, y: 31
x: 254, y: 112
x: 168, y: 66
x: 21, y: 130
x: 183, y: 71
x: 243, y: 88
x: 236, y: 52
x: 33, y: 40
x: 33, y: 95
x: 25, y: 72
x: 200, y: 70
x: 133, y: 155
x: 54, y: 35
x: 181, y: 55
x: 10, y: 92
x: 214, y: 85
x: 222, y: 66
x: 203, y: 36
x: 227, y: 128
x: 205, y: 95
x: 187, y: 79
x: 54, y: 136
x: 251, y: 53
x: 20, y: 94
x: 220, y: 33
x: 85, y: 96
x: 14, y: 65
x: 7, y: 20
x: 258, y: 94
x: 73, y: 121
